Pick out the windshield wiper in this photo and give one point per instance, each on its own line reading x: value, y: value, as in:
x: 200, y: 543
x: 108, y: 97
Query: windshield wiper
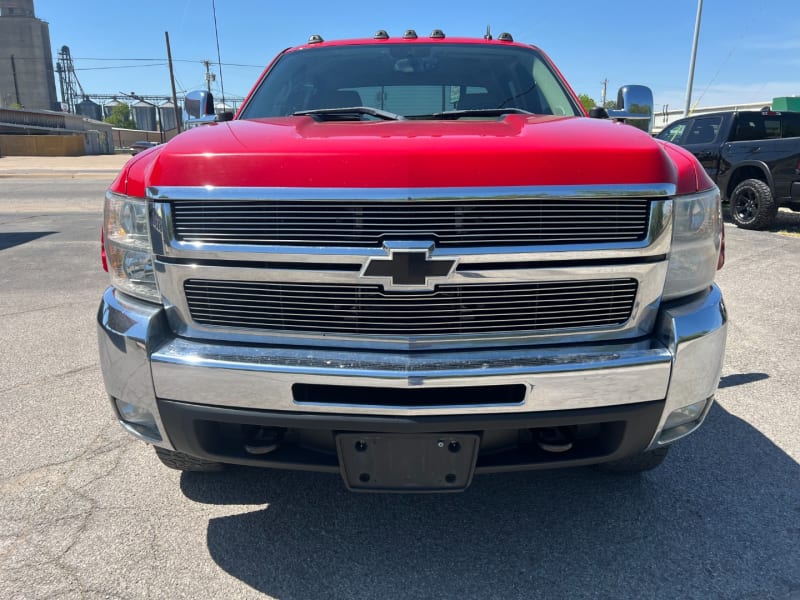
x: 474, y: 112
x: 345, y: 111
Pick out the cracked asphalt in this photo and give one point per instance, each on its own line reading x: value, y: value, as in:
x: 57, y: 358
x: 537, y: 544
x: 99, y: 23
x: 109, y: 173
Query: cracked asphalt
x: 88, y: 512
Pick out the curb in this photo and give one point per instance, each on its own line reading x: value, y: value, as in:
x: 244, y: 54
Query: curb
x: 62, y: 174
x: 62, y: 167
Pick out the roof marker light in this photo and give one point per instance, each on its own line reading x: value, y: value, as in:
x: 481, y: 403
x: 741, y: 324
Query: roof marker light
x: 410, y: 34
x: 381, y: 35
x: 505, y: 37
x: 437, y: 34
x: 315, y: 39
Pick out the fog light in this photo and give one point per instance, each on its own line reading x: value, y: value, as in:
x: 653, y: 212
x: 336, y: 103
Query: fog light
x: 687, y: 414
x: 683, y: 421
x: 137, y: 420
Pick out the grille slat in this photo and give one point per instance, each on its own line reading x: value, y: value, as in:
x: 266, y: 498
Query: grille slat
x: 501, y: 219
x: 495, y: 228
x: 451, y: 309
x: 453, y: 224
x: 480, y: 240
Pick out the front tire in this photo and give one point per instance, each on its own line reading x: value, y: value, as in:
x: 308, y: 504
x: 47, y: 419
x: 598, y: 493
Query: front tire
x: 752, y: 205
x: 638, y: 463
x: 183, y: 462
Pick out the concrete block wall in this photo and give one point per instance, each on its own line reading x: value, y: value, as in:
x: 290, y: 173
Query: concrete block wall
x: 42, y: 145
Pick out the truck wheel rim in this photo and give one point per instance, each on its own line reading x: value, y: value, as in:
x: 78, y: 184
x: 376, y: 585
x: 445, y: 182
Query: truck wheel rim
x: 746, y: 206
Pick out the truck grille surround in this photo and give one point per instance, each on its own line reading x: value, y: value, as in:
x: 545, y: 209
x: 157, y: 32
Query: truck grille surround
x: 296, y: 263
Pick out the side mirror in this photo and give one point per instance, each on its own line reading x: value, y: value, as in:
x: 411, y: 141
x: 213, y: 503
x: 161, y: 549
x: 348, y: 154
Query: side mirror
x: 199, y: 107
x: 598, y: 112
x: 634, y: 106
x: 199, y: 104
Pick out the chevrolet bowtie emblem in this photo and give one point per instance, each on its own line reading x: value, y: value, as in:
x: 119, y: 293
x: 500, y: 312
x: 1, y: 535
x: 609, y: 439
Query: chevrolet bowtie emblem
x: 409, y: 266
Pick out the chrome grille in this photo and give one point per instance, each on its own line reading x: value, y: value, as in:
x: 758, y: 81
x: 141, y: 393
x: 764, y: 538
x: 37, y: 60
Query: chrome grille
x: 496, y: 222
x: 450, y: 309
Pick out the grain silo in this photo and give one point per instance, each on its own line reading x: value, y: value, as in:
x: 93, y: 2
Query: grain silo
x: 144, y: 113
x: 90, y: 109
x: 108, y: 107
x: 26, y: 60
x: 167, y: 115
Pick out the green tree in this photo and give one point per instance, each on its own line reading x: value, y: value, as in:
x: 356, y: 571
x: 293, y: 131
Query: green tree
x: 121, y: 117
x: 587, y: 101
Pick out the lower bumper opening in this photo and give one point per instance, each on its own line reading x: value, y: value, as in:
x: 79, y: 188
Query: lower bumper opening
x: 448, y: 396
x: 507, y: 442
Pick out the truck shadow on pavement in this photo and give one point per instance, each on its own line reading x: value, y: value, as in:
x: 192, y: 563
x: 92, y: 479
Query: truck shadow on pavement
x: 720, y: 518
x: 740, y: 379
x: 9, y: 240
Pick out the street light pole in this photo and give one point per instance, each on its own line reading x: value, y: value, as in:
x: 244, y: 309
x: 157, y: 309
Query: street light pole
x: 693, y: 59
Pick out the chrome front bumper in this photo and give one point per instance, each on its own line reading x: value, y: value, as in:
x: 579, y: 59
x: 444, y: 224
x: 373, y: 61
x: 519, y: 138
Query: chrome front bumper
x: 143, y: 360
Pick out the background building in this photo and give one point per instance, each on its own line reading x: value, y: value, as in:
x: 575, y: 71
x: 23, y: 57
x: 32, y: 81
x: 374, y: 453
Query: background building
x: 26, y: 60
x: 783, y: 103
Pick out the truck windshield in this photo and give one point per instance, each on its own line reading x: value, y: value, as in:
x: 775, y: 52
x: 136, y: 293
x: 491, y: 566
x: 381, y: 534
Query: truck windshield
x: 412, y: 80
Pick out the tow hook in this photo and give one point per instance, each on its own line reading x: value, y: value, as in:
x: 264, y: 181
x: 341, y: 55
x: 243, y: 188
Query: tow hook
x: 263, y: 440
x: 553, y: 439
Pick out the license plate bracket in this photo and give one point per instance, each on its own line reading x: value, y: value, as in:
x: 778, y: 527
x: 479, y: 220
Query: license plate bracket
x: 392, y: 462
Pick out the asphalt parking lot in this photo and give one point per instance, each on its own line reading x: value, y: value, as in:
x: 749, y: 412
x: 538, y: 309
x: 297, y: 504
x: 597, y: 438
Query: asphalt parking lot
x: 87, y: 512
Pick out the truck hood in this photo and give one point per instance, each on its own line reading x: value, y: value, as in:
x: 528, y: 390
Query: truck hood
x: 516, y: 150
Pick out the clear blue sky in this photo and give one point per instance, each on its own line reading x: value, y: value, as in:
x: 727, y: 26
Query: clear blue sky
x: 748, y: 52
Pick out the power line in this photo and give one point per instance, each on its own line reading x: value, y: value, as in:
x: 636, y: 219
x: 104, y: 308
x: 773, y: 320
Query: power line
x: 120, y: 67
x: 150, y: 60
x: 182, y: 60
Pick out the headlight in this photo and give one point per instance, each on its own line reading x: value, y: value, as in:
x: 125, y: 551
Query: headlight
x: 696, y: 240
x: 128, y: 250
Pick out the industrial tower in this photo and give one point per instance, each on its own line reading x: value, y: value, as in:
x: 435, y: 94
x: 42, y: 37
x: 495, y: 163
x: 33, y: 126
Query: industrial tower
x: 26, y: 60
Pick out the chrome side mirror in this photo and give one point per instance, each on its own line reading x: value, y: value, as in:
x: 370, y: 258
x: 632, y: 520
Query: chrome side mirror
x: 199, y: 108
x: 634, y: 106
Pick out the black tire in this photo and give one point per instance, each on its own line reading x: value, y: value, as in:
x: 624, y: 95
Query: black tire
x: 184, y: 462
x: 752, y: 205
x: 644, y: 461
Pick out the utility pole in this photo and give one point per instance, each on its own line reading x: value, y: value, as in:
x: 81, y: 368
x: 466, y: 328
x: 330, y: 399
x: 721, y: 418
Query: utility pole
x: 209, y: 75
x: 172, y: 81
x: 693, y: 59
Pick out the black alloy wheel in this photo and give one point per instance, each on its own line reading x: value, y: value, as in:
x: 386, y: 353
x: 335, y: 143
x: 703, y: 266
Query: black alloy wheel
x: 752, y: 205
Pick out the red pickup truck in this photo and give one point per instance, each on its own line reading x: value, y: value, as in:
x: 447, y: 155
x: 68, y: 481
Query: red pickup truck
x: 409, y: 260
